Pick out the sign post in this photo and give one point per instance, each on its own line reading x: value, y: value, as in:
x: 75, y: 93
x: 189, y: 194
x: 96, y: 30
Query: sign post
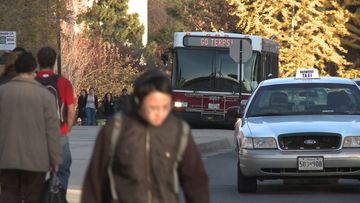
x: 7, y: 40
x: 240, y: 52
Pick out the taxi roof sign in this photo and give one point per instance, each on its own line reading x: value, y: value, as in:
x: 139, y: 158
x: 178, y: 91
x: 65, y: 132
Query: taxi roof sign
x: 307, y: 73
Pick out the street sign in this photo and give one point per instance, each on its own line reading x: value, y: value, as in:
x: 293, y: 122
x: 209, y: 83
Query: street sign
x: 7, y: 40
x: 240, y: 50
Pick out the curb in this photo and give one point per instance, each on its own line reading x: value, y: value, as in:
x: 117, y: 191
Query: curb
x: 214, y: 146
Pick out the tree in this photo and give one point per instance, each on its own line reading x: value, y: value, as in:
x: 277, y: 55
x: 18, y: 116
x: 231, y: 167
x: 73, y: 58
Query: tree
x: 352, y: 42
x: 200, y: 15
x: 95, y: 65
x: 308, y: 31
x: 77, y: 62
x: 36, y: 22
x: 113, y: 44
x: 204, y: 15
x: 187, y: 15
x: 109, y: 19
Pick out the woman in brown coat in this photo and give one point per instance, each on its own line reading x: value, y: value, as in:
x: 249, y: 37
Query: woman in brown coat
x: 154, y: 154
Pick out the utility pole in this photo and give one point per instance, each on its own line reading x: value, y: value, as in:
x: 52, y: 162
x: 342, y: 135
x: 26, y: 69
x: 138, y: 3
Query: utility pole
x: 59, y: 39
x: 59, y: 47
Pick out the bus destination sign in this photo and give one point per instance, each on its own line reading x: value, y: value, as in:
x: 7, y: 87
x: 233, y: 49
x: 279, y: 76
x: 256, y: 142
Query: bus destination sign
x: 197, y: 41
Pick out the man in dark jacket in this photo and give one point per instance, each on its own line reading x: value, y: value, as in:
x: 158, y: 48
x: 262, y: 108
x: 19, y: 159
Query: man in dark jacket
x: 154, y: 154
x: 124, y: 101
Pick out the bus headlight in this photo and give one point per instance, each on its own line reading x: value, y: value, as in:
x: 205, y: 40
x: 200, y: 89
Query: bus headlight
x: 351, y: 142
x: 179, y: 104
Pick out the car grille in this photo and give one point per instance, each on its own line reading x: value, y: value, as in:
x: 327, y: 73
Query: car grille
x: 310, y: 141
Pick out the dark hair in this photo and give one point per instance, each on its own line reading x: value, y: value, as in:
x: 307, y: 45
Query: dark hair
x: 111, y: 96
x: 46, y: 57
x: 19, y: 49
x: 25, y: 63
x: 123, y: 90
x: 10, y: 59
x: 150, y: 81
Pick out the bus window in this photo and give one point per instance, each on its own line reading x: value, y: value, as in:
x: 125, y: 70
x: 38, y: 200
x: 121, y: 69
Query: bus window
x: 255, y: 72
x: 195, y: 69
x: 248, y: 79
x: 226, y: 73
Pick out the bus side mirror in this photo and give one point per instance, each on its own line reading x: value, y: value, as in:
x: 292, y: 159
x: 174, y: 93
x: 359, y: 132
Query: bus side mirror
x: 235, y: 112
x: 165, y: 58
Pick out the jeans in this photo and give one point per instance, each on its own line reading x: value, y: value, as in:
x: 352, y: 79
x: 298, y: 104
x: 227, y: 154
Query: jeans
x: 21, y: 186
x: 64, y: 169
x: 90, y: 116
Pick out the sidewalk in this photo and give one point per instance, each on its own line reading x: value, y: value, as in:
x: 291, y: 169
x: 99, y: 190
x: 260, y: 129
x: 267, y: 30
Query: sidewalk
x: 82, y: 139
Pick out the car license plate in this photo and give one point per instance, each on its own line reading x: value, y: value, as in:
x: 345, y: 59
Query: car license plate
x: 310, y: 163
x: 214, y: 106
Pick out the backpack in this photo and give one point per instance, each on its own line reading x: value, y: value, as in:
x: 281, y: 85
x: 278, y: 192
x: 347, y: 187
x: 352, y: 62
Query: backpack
x: 51, y: 83
x: 116, y: 133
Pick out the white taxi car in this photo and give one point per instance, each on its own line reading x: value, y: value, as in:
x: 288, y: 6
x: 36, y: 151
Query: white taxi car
x: 305, y: 126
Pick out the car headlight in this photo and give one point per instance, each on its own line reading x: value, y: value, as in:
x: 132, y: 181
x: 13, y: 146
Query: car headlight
x: 247, y: 143
x: 352, y: 142
x: 264, y: 143
x: 179, y: 104
x: 258, y: 143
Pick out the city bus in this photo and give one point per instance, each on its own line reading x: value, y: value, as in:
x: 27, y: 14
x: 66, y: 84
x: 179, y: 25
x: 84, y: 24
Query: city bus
x: 206, y: 80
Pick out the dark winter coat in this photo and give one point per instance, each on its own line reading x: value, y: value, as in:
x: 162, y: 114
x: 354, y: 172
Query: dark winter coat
x: 144, y: 163
x: 81, y: 106
x: 124, y: 103
x: 109, y: 108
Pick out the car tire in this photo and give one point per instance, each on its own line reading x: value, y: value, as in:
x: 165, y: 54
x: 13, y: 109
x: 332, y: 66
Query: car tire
x: 245, y: 184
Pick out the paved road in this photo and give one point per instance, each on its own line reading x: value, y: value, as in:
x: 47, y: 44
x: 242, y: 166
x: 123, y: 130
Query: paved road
x: 221, y: 168
x: 222, y: 173
x: 83, y: 137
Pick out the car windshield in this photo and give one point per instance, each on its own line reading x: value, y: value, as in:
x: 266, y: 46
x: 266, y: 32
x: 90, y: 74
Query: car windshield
x: 357, y: 82
x: 303, y: 99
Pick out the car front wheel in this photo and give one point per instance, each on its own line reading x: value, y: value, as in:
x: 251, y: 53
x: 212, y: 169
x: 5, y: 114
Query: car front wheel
x: 245, y: 184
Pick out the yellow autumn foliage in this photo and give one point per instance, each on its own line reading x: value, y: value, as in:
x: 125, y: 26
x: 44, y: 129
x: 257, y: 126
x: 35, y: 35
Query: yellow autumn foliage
x: 309, y: 31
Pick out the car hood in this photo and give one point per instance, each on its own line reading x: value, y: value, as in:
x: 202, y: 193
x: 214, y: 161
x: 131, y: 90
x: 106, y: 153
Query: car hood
x: 272, y: 126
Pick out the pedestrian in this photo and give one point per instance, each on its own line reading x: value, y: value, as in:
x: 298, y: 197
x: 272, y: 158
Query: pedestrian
x: 10, y: 59
x: 30, y: 135
x: 81, y: 106
x: 124, y: 101
x: 91, y: 107
x: 153, y: 150
x: 109, y: 105
x: 63, y: 91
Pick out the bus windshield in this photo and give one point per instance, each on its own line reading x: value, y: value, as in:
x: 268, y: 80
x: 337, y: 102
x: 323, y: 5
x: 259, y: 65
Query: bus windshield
x: 212, y: 70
